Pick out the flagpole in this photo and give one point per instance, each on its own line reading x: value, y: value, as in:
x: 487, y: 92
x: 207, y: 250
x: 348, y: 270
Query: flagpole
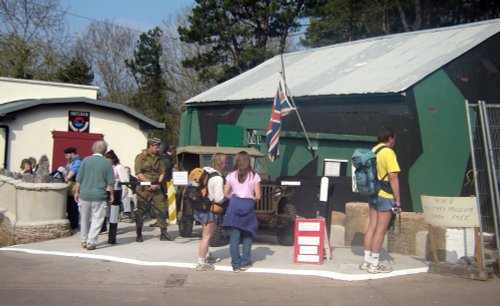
x: 287, y: 90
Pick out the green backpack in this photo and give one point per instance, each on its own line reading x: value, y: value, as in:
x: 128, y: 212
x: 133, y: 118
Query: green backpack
x: 365, y: 163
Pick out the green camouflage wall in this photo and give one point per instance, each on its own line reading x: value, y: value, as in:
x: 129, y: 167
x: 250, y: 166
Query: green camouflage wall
x: 440, y: 169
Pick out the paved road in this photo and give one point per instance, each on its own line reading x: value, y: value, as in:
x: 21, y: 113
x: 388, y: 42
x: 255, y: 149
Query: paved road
x: 60, y: 272
x: 30, y: 279
x: 267, y: 255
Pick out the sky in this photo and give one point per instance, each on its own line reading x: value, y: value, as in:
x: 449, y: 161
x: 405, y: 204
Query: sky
x: 141, y: 15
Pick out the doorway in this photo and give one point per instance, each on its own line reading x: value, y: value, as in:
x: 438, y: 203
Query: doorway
x: 81, y: 141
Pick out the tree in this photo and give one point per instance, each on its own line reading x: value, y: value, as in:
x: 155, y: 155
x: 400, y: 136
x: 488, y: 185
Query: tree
x: 235, y: 34
x: 183, y: 81
x: 105, y: 47
x: 334, y: 21
x: 76, y: 71
x: 32, y: 38
x: 422, y: 14
x: 147, y: 71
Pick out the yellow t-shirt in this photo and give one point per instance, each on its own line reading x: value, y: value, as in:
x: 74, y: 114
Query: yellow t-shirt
x: 387, y: 162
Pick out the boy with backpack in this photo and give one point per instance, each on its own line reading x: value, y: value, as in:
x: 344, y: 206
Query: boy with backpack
x: 382, y: 202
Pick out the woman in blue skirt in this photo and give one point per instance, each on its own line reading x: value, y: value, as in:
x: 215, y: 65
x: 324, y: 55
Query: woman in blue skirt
x: 242, y: 187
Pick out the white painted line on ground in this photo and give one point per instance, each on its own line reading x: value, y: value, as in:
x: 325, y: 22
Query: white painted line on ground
x: 320, y: 273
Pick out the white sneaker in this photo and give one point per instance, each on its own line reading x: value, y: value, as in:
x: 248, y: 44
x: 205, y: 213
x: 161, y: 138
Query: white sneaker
x: 205, y: 267
x: 212, y: 259
x: 364, y: 265
x: 379, y: 269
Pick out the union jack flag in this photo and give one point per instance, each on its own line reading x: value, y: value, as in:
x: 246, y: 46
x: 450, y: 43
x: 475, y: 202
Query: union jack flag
x: 281, y: 107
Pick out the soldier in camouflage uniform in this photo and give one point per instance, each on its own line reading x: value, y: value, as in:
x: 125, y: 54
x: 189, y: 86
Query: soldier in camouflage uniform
x: 150, y: 167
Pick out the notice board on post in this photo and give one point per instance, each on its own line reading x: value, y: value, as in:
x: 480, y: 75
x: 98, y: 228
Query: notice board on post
x: 309, y: 241
x: 452, y: 212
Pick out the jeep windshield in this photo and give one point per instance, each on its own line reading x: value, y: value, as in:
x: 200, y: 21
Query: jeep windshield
x: 191, y: 157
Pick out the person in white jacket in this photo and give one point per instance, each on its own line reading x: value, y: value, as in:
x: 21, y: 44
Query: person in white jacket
x: 130, y: 200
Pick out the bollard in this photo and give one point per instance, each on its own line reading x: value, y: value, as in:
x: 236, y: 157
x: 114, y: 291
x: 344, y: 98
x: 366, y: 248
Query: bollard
x: 114, y: 210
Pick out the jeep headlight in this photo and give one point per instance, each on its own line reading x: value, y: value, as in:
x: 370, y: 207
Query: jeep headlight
x: 278, y: 191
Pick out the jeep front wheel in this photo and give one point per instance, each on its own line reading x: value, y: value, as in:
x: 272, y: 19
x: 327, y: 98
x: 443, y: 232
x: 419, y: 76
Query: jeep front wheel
x: 286, y: 234
x: 186, y: 227
x: 219, y: 238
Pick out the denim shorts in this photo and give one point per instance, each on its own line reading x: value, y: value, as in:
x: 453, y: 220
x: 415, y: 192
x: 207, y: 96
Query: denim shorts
x: 205, y: 217
x: 381, y: 204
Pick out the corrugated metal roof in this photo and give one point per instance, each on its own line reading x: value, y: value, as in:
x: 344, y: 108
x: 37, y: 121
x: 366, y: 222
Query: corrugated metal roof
x: 15, y: 106
x: 384, y: 65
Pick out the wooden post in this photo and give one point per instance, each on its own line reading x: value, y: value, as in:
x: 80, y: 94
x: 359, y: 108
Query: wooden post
x: 326, y: 246
x: 433, y: 243
x: 479, y: 254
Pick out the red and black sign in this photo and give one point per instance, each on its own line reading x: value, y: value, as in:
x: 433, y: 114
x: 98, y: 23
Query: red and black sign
x: 79, y: 121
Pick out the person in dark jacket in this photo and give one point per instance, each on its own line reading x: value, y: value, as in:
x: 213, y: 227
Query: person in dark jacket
x: 71, y: 170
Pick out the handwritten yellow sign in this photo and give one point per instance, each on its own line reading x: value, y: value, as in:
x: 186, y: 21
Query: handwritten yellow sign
x: 450, y: 211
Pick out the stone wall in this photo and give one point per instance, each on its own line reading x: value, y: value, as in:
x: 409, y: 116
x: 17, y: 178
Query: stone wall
x: 356, y: 222
x: 402, y: 237
x: 34, y: 233
x: 31, y: 212
x: 408, y: 236
x: 6, y: 231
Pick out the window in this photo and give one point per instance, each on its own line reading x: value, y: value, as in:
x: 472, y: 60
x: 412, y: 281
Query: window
x: 253, y: 138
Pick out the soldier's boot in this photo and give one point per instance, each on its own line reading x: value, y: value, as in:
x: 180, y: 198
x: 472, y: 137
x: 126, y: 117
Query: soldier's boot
x: 164, y: 236
x: 139, y: 221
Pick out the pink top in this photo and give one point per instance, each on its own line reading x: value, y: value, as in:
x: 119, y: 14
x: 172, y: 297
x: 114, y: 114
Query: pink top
x: 245, y: 190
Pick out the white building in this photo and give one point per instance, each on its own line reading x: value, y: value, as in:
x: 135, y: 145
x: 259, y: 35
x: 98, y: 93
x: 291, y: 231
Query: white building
x: 39, y: 117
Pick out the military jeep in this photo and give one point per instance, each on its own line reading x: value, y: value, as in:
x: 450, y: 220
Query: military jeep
x: 273, y: 211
